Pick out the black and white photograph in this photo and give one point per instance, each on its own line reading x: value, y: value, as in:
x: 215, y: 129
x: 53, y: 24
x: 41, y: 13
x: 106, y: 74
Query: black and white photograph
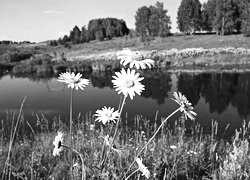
x: 124, y: 90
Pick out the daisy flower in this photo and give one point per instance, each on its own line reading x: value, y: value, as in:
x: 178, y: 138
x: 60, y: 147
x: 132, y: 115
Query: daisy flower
x: 58, y: 144
x: 134, y: 58
x: 128, y: 83
x: 173, y: 147
x: 142, y: 168
x: 73, y: 81
x: 106, y: 115
x: 185, y: 105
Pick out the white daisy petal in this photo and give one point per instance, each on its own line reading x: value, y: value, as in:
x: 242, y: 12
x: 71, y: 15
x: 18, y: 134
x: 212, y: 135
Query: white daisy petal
x: 134, y: 59
x: 128, y: 83
x: 73, y: 81
x: 185, y: 105
x: 106, y: 115
x: 142, y: 168
x: 58, y: 144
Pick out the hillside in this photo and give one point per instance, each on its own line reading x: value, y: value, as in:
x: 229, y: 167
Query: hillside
x: 182, y: 52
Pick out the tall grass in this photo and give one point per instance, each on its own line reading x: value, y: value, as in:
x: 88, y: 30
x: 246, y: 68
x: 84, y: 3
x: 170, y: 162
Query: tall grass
x: 196, y: 155
x: 8, y: 163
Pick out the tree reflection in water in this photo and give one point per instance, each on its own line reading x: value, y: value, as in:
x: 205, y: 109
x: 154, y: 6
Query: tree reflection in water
x: 218, y: 89
x: 157, y: 85
x: 219, y: 96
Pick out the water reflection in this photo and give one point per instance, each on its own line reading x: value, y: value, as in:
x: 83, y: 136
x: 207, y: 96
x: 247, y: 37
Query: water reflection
x: 157, y: 86
x: 224, y: 97
x: 219, y: 90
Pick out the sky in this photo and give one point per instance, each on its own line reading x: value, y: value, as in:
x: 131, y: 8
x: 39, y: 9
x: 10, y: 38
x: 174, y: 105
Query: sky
x: 41, y: 20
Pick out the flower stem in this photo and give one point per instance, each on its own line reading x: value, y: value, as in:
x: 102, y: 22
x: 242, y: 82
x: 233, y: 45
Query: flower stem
x: 119, y: 118
x: 117, y: 124
x: 151, y: 139
x: 70, y: 131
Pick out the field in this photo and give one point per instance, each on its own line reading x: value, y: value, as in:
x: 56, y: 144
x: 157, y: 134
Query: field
x: 177, y: 152
x: 178, y: 42
x: 92, y: 150
x: 194, y: 52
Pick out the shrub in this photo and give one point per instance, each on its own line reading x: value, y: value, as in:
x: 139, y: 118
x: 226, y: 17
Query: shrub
x: 16, y: 56
x: 41, y: 59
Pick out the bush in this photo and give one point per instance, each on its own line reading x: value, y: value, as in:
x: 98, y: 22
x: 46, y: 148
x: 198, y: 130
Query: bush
x: 247, y: 33
x: 41, y: 59
x: 17, y: 56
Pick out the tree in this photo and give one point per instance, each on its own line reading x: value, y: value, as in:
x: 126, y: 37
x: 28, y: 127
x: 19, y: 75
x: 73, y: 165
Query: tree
x: 164, y: 20
x: 53, y: 43
x: 84, y: 35
x: 208, y: 14
x: 142, y: 21
x: 227, y: 17
x: 75, y: 35
x: 99, y: 35
x: 96, y: 25
x: 59, y: 41
x: 154, y: 24
x: 152, y: 20
x: 189, y: 16
x: 65, y: 39
x: 244, y: 7
x: 110, y: 31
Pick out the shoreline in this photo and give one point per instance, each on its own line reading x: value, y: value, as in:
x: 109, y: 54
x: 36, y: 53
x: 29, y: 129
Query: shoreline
x: 185, y: 60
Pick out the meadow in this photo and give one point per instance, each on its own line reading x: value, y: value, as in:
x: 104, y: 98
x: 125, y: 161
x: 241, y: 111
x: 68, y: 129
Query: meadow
x: 176, y: 153
x: 202, y: 52
x: 90, y: 147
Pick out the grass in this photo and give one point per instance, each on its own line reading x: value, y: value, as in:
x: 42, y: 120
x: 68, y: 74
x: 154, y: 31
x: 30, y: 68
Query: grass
x: 197, y: 155
x: 178, y: 42
x: 101, y: 56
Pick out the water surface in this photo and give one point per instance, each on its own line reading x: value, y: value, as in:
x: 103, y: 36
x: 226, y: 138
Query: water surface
x: 224, y: 97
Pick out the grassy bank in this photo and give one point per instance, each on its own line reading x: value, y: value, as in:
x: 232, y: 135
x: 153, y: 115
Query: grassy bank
x: 177, y: 153
x: 202, y: 52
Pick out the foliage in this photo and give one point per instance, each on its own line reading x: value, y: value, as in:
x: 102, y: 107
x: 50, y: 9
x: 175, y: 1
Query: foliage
x: 53, y: 43
x: 226, y: 20
x: 110, y: 31
x: 99, y: 35
x: 189, y: 16
x: 208, y: 14
x: 141, y: 20
x: 16, y: 55
x: 152, y: 20
x: 84, y: 35
x: 244, y: 6
x: 118, y: 27
x: 75, y: 35
x: 64, y: 40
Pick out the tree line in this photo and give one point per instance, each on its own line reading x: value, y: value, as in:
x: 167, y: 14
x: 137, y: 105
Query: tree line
x: 225, y: 17
x: 98, y: 29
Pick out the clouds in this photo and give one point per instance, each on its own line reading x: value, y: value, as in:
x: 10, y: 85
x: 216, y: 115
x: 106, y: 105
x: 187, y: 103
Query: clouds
x: 53, y: 12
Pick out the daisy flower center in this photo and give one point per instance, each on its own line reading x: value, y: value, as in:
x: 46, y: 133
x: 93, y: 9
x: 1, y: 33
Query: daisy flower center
x: 108, y: 115
x: 59, y: 144
x: 136, y: 56
x: 73, y: 80
x: 128, y: 83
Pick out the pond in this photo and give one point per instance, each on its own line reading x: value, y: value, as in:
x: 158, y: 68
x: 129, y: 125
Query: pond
x: 223, y: 97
